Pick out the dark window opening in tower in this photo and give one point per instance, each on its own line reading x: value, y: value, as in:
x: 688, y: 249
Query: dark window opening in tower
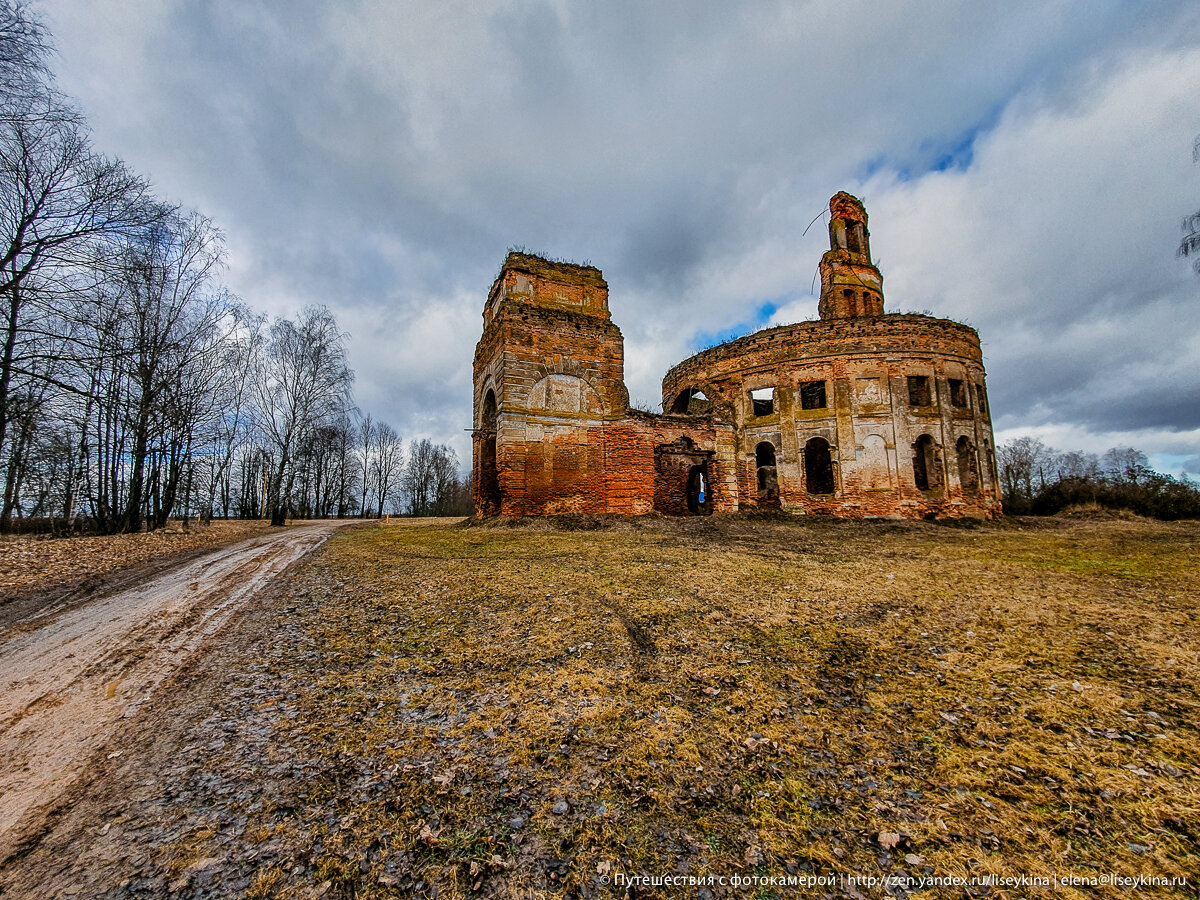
x: 926, y: 472
x: 980, y: 400
x: 958, y: 393
x: 762, y: 401
x: 968, y: 466
x: 812, y: 395
x: 818, y: 466
x: 853, y: 236
x: 918, y: 391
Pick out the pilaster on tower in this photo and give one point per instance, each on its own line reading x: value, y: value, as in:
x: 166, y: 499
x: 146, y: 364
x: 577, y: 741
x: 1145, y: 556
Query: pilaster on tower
x: 850, y: 283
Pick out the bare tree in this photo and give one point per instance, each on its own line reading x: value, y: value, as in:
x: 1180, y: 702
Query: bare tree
x: 60, y: 203
x: 431, y: 479
x: 366, y: 441
x: 302, y: 383
x: 1124, y: 463
x: 344, y: 463
x: 1190, y: 244
x: 1077, y: 464
x: 387, y: 464
x: 24, y: 53
x: 232, y: 426
x: 1026, y: 466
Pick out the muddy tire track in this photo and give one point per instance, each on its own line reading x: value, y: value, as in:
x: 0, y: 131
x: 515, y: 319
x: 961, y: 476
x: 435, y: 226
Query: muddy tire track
x: 67, y: 680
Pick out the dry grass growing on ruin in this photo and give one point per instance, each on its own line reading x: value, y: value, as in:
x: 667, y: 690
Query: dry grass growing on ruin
x: 737, y: 696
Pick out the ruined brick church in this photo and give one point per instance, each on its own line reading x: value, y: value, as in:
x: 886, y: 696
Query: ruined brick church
x: 859, y: 413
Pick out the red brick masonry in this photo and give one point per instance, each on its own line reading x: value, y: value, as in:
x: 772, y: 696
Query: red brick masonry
x: 857, y: 414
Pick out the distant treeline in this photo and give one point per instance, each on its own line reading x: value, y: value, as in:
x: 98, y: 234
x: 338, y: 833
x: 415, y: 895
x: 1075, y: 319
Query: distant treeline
x: 1040, y: 480
x: 134, y: 386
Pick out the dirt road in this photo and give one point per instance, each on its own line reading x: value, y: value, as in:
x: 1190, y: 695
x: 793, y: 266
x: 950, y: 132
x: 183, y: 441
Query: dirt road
x: 67, y: 677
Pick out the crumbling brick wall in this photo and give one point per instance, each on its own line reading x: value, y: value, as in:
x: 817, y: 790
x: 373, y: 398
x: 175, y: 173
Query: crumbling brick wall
x: 868, y: 422
x: 861, y: 413
x: 563, y: 438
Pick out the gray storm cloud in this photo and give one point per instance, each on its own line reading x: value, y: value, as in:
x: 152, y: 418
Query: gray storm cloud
x: 1024, y: 165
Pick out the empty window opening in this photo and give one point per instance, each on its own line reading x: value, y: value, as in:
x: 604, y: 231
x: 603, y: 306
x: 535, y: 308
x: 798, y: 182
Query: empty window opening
x: 926, y: 472
x: 812, y: 395
x: 763, y: 401
x: 968, y: 466
x: 768, y: 480
x: 918, y: 391
x: 980, y: 400
x: 690, y: 401
x: 853, y: 237
x: 818, y: 466
x: 958, y: 393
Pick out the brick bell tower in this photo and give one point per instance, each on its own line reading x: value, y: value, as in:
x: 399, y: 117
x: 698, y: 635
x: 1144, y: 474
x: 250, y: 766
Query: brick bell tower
x: 850, y: 283
x: 549, y: 367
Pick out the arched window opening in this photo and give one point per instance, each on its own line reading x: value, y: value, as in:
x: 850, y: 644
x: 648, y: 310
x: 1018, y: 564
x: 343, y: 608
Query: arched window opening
x: 488, y: 478
x: 818, y: 466
x: 768, y: 480
x: 926, y: 471
x: 968, y: 466
x: 487, y: 419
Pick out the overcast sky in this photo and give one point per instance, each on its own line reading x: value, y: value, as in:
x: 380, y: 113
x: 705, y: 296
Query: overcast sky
x: 1025, y: 167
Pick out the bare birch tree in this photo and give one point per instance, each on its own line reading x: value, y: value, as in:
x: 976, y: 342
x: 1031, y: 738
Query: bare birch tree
x: 302, y: 382
x: 387, y: 464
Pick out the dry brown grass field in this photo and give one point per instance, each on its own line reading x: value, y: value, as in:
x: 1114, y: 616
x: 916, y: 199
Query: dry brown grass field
x: 747, y: 697
x: 542, y: 709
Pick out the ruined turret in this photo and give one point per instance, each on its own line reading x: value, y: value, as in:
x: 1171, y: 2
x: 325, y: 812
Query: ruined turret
x: 850, y: 283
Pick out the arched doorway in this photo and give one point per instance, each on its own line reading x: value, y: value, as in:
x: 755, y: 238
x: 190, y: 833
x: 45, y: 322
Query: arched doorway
x: 968, y: 466
x: 927, y: 473
x: 488, y: 477
x: 818, y: 466
x: 768, y: 480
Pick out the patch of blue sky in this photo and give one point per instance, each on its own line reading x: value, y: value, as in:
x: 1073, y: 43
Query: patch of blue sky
x: 1176, y: 464
x: 760, y: 317
x: 954, y: 154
